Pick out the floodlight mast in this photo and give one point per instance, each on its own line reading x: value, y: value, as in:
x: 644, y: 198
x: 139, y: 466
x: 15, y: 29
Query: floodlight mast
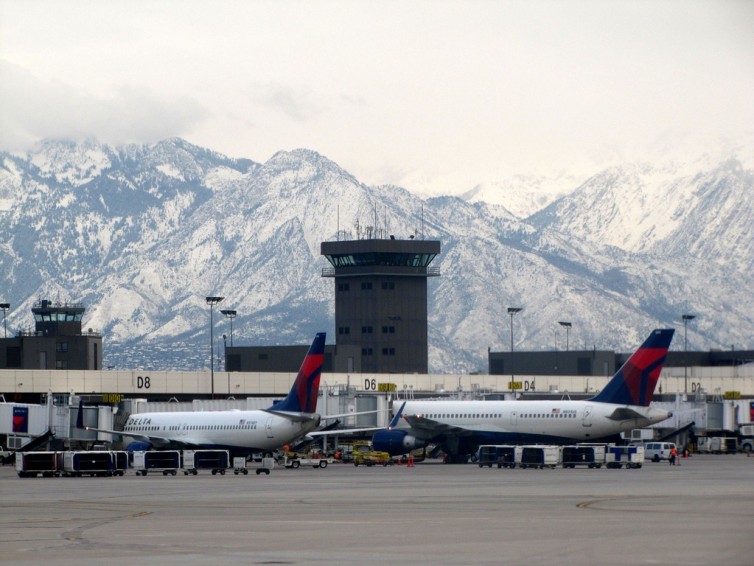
x: 4, y: 307
x: 231, y: 314
x: 212, y: 301
x: 567, y: 326
x: 686, y: 318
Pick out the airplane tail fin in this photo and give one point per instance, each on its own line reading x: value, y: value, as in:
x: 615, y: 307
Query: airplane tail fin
x: 397, y: 417
x: 303, y: 395
x: 635, y: 381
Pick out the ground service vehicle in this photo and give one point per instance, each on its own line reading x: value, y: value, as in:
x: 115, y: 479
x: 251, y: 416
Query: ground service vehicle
x: 657, y: 451
x: 297, y: 460
x: 371, y: 458
x: 746, y: 438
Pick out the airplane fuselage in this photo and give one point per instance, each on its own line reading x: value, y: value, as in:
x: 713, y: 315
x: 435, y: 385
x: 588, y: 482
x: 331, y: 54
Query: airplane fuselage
x: 471, y: 423
x: 241, y: 432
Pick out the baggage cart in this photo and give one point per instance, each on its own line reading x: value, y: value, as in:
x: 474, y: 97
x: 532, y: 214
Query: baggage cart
x: 239, y: 465
x: 268, y: 463
x: 538, y: 456
x: 120, y: 462
x: 166, y: 461
x: 624, y: 456
x: 92, y: 462
x: 217, y: 461
x: 589, y: 455
x: 500, y: 455
x: 31, y: 464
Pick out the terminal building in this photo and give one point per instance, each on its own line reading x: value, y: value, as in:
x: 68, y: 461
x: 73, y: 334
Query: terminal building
x: 602, y: 362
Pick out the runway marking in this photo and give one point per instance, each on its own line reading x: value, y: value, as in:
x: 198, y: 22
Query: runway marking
x: 591, y: 504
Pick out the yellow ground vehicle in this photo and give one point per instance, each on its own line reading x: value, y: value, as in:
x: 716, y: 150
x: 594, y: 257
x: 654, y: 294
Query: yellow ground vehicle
x: 363, y: 455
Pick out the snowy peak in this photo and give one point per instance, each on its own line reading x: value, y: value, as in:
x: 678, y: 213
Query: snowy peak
x: 645, y: 209
x: 69, y: 162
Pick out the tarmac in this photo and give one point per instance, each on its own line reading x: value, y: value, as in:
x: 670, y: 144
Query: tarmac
x: 701, y: 512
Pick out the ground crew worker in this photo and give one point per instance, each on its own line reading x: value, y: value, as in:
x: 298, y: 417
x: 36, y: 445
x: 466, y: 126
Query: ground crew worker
x: 673, y: 455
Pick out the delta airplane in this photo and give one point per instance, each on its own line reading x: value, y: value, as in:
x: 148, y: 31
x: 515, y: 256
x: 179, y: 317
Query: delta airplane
x: 242, y: 433
x: 460, y: 427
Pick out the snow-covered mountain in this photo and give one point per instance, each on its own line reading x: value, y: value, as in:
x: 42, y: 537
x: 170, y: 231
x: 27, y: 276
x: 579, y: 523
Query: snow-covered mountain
x: 142, y: 233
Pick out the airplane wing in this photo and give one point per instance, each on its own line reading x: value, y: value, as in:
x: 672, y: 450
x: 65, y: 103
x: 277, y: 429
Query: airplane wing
x: 342, y: 431
x: 156, y: 441
x: 330, y: 431
x: 293, y: 416
x: 423, y: 427
x: 341, y: 415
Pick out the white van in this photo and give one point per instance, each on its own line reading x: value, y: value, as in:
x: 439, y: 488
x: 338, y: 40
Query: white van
x: 657, y: 451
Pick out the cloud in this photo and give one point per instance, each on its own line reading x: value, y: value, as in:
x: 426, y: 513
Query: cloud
x: 296, y: 103
x: 32, y: 109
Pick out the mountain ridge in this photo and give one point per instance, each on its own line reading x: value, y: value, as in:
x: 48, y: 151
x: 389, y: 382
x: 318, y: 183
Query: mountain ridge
x: 142, y: 233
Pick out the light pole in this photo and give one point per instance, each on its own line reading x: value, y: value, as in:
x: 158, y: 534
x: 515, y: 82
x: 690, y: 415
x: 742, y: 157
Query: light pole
x: 686, y: 319
x: 212, y: 301
x: 231, y: 314
x: 567, y: 326
x: 4, y: 307
x: 511, y: 312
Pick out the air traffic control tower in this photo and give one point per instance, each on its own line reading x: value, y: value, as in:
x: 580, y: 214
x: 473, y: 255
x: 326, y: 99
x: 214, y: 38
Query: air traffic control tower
x: 381, y: 300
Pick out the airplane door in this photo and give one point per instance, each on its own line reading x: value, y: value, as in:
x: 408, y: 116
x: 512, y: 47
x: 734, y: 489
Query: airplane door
x: 514, y: 417
x: 587, y: 418
x: 268, y: 428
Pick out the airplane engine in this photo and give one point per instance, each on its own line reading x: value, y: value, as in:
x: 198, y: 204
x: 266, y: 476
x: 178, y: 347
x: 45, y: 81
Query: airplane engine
x: 396, y: 442
x: 139, y: 446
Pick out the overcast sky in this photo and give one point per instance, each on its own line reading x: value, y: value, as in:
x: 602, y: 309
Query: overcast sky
x: 436, y: 95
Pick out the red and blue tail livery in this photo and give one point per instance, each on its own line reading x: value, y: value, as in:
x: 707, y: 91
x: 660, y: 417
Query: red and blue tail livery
x: 635, y: 381
x: 303, y: 395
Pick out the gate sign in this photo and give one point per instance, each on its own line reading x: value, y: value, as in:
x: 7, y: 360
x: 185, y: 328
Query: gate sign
x: 21, y: 420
